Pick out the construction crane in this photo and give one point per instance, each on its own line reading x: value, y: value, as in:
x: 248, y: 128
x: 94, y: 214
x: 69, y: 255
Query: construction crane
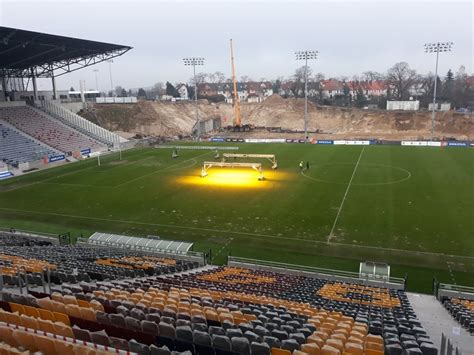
x: 236, y: 101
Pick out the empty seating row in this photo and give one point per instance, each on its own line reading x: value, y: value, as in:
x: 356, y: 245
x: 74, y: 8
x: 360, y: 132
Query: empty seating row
x: 17, y: 148
x: 47, y: 130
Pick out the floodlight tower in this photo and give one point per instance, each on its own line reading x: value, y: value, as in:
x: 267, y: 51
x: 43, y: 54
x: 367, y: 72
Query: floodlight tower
x: 96, y: 82
x: 305, y: 55
x: 436, y: 47
x: 195, y: 61
x: 110, y: 61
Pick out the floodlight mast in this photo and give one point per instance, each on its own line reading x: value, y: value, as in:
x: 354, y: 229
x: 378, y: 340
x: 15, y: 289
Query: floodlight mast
x: 305, y: 55
x: 436, y: 47
x: 195, y: 61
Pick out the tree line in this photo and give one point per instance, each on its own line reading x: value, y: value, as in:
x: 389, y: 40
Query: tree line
x: 400, y: 83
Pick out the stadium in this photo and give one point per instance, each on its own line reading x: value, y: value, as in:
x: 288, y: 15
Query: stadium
x: 224, y: 241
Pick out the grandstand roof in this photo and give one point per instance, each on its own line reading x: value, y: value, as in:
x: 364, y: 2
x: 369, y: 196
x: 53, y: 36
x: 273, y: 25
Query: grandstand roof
x: 22, y: 51
x: 150, y: 244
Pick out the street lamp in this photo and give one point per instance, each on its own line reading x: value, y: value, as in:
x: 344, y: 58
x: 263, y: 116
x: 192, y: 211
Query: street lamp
x: 110, y: 61
x: 96, y: 82
x: 436, y: 47
x: 305, y: 55
x: 195, y: 61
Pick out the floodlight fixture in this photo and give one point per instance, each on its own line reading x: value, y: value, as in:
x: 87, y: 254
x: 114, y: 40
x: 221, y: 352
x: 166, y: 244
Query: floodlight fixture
x: 436, y: 47
x: 193, y: 61
x: 306, y: 55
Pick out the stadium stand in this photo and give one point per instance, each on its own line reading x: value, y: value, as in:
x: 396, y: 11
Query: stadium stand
x: 462, y: 310
x: 47, y: 130
x: 127, y: 300
x: 16, y: 148
x: 219, y: 312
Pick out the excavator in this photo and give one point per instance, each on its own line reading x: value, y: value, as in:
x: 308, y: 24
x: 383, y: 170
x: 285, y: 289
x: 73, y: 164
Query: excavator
x: 238, y: 126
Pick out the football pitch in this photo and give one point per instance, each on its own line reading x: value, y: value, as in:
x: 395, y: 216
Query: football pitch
x: 411, y: 207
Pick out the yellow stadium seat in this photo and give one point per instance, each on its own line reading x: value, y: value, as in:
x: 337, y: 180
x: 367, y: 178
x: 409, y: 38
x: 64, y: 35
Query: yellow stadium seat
x: 374, y: 339
x: 45, y: 344
x: 62, y: 329
x: 336, y: 343
x: 316, y: 340
x: 60, y: 317
x: 29, y: 322
x: 373, y: 352
x: 58, y: 307
x: 12, y: 318
x: 311, y: 348
x: 56, y: 296
x: 329, y: 350
x: 46, y: 315
x: 32, y: 311
x: 82, y: 303
x: 26, y: 339
x: 15, y: 307
x: 354, y: 348
x: 73, y: 310
x: 6, y: 334
x: 321, y: 334
x: 87, y: 314
x: 277, y: 351
x: 2, y: 315
x: 63, y: 347
x: 46, y: 326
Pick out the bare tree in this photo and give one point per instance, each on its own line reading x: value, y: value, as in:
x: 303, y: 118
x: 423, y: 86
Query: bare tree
x: 298, y: 80
x: 201, y: 78
x: 217, y: 78
x: 400, y: 79
x: 157, y: 90
x: 319, y: 85
x: 245, y: 79
x: 463, y: 92
x: 118, y: 90
x: 372, y: 76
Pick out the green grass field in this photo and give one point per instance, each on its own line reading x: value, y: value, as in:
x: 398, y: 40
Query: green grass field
x: 409, y: 206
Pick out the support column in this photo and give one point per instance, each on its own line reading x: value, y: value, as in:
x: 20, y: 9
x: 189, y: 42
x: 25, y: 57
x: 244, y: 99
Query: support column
x: 35, y: 87
x: 53, y: 81
x: 83, y: 98
x: 4, y: 86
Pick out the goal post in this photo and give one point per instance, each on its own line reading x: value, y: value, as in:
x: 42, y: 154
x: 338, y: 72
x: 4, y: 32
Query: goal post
x: 270, y: 157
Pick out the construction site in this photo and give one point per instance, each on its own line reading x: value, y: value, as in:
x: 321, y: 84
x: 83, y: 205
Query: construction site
x: 277, y: 116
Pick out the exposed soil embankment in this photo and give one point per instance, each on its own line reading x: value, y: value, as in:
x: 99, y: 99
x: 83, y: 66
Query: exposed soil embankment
x: 170, y: 119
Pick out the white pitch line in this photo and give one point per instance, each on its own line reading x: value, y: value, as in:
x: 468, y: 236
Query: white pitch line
x: 331, y: 235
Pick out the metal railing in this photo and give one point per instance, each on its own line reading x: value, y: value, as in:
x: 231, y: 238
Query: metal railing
x: 447, y: 290
x: 330, y: 274
x: 80, y: 123
x: 53, y: 238
x: 447, y: 347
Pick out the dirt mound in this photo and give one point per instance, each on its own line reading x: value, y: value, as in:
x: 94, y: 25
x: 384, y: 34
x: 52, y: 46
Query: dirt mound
x: 170, y: 119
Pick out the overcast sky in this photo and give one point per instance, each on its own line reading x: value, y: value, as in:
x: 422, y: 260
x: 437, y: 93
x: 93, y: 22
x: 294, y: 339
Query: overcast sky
x: 351, y: 36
